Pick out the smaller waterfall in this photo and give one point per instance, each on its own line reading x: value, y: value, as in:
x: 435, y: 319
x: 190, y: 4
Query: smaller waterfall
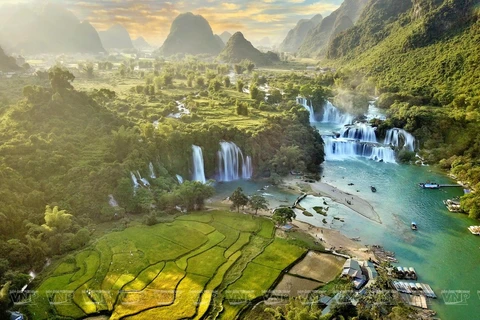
x: 152, y: 172
x: 247, y: 168
x: 392, y: 138
x: 307, y: 105
x: 331, y: 114
x: 144, y: 181
x: 229, y: 158
x: 134, y: 180
x: 179, y: 178
x: 111, y: 201
x: 198, y: 166
x: 360, y: 131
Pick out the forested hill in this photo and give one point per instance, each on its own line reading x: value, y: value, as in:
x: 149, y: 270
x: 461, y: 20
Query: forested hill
x: 422, y: 59
x: 238, y: 48
x: 7, y: 63
x: 190, y: 34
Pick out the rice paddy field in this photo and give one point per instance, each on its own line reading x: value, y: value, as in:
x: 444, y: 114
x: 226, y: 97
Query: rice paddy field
x: 207, y: 263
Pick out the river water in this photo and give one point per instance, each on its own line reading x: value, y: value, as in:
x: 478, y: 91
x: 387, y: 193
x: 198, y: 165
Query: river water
x: 443, y: 252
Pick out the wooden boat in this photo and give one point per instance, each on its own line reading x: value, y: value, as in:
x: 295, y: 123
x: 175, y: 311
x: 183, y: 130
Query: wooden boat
x: 373, y: 189
x: 414, y: 226
x: 474, y: 230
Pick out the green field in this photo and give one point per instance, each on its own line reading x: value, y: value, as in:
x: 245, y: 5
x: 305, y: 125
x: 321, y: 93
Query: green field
x: 181, y: 269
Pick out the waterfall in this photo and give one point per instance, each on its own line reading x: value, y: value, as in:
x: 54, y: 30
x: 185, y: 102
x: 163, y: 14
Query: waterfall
x: 393, y: 135
x: 144, y: 181
x: 359, y: 131
x: 152, y: 173
x: 341, y: 149
x: 231, y: 163
x: 307, y: 105
x: 198, y: 166
x: 247, y: 168
x: 333, y: 115
x: 180, y: 179
x: 111, y: 201
x: 134, y: 180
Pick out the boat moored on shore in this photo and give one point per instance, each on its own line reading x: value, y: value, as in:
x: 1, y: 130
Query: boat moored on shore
x: 474, y: 230
x: 414, y: 226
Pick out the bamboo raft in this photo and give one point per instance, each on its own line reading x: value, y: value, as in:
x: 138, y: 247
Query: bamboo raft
x: 414, y: 288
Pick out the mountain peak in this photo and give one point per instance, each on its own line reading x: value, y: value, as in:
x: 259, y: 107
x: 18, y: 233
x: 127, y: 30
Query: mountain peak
x: 190, y: 34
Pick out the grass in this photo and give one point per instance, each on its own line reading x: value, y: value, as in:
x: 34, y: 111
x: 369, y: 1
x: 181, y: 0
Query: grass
x: 172, y: 270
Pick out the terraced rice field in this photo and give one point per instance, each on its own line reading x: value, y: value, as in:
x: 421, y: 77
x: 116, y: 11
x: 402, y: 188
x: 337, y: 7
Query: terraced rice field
x: 199, y: 264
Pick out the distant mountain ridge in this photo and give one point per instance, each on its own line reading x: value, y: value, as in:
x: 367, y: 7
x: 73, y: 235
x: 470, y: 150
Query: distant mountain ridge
x: 316, y: 41
x: 116, y: 37
x: 295, y: 36
x: 190, y: 34
x: 238, y: 48
x: 141, y: 43
x: 225, y: 36
x: 46, y: 29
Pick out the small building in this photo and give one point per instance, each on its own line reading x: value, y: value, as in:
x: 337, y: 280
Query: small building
x: 352, y: 270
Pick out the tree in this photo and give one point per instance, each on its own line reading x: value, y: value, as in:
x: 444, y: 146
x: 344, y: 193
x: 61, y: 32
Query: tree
x: 239, y: 85
x: 214, y: 85
x: 56, y: 220
x: 60, y: 79
x: 192, y: 194
x: 200, y: 82
x: 4, y: 300
x: 239, y: 199
x: 88, y: 69
x: 226, y: 81
x: 275, y: 96
x: 287, y: 159
x: 254, y: 91
x: 238, y: 69
x: 283, y: 215
x: 258, y: 202
x: 81, y: 238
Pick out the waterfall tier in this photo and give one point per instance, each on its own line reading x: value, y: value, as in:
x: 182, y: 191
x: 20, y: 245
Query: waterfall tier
x: 341, y: 149
x: 307, y: 104
x: 331, y: 114
x: 359, y: 131
x: 407, y: 140
x: 179, y: 178
x: 198, y: 166
x: 231, y: 163
x: 152, y: 172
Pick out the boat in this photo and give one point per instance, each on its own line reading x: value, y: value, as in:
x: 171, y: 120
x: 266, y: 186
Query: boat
x: 414, y: 226
x: 453, y: 205
x: 474, y: 230
x: 373, y: 189
x: 429, y: 185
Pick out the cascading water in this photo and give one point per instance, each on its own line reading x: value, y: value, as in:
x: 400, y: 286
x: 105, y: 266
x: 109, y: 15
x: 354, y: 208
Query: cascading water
x: 231, y: 163
x: 144, y: 181
x: 152, y: 172
x: 247, y: 168
x: 307, y: 105
x: 111, y: 201
x: 359, y: 131
x: 179, y: 178
x: 392, y: 138
x: 341, y: 149
x: 134, y: 180
x: 198, y: 166
x: 331, y: 114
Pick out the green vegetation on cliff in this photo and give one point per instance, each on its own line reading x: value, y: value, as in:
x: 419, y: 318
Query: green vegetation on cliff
x: 238, y: 48
x: 423, y: 64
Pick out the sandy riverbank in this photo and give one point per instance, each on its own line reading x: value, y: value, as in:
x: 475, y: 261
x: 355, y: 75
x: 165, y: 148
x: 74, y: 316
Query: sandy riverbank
x: 330, y: 239
x: 354, y: 202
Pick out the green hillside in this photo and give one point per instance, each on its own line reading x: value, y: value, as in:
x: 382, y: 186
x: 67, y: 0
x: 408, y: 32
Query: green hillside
x: 7, y: 63
x: 238, y: 48
x: 423, y: 62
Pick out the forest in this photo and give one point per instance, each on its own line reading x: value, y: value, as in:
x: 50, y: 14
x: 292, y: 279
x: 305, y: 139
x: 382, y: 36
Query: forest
x: 66, y: 152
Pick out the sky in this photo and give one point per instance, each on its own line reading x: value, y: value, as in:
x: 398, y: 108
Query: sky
x: 152, y: 18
